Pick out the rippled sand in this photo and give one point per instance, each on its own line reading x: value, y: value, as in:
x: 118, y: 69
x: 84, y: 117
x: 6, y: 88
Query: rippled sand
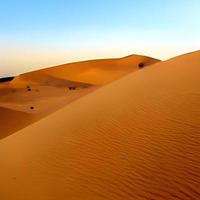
x: 136, y: 138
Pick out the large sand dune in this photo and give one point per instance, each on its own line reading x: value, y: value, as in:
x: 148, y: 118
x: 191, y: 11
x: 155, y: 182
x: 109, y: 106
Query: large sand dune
x: 97, y: 72
x: 136, y: 138
x: 45, y: 91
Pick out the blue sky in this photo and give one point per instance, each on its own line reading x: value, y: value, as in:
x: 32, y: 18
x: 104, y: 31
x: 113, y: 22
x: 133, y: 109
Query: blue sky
x: 41, y: 33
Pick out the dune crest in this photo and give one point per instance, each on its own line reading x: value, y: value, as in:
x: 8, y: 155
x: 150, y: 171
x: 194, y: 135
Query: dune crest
x: 136, y: 138
x: 95, y: 72
x: 45, y: 91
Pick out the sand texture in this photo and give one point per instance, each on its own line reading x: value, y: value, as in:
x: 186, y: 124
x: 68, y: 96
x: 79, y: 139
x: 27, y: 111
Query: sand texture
x: 135, y: 138
x: 42, y: 92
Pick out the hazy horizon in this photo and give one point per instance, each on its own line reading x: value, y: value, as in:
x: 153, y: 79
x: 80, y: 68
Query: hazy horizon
x: 37, y: 34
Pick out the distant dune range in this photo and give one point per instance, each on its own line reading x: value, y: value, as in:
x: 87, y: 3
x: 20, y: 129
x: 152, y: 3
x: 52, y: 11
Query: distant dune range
x: 135, y: 138
x: 95, y: 72
x: 37, y: 94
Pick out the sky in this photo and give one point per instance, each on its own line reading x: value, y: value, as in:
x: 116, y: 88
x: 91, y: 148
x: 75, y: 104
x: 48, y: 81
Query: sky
x: 40, y: 33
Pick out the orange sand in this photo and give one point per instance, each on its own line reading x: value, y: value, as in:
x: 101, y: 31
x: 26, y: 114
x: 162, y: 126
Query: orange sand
x: 49, y: 88
x: 96, y: 72
x: 12, y: 120
x: 136, y: 138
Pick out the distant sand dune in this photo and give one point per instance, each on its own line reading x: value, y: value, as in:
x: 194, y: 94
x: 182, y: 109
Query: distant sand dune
x: 136, y: 138
x: 34, y: 104
x: 96, y: 72
x: 45, y: 91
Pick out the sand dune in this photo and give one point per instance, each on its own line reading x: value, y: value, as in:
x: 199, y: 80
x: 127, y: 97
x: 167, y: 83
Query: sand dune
x: 96, y: 72
x: 40, y: 101
x: 136, y: 138
x: 45, y: 91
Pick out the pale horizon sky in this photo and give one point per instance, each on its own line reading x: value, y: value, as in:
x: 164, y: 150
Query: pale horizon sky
x: 40, y: 33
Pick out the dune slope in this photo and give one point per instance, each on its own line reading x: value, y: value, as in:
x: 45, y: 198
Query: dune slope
x: 137, y: 138
x: 45, y: 91
x: 96, y: 72
x: 23, y: 106
x: 12, y: 120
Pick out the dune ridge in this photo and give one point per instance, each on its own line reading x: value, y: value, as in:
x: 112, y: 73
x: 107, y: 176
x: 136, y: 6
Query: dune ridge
x: 95, y: 72
x: 44, y: 91
x: 136, y: 138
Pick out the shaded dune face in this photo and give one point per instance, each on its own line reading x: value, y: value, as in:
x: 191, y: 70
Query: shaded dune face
x: 137, y: 138
x: 42, y: 79
x: 12, y: 120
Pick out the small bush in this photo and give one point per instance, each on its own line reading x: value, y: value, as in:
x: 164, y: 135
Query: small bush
x: 28, y: 88
x: 72, y: 88
x: 141, y: 65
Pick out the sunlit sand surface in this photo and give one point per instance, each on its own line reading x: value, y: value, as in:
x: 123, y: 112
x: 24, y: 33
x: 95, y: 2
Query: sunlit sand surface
x: 37, y: 94
x: 137, y: 137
